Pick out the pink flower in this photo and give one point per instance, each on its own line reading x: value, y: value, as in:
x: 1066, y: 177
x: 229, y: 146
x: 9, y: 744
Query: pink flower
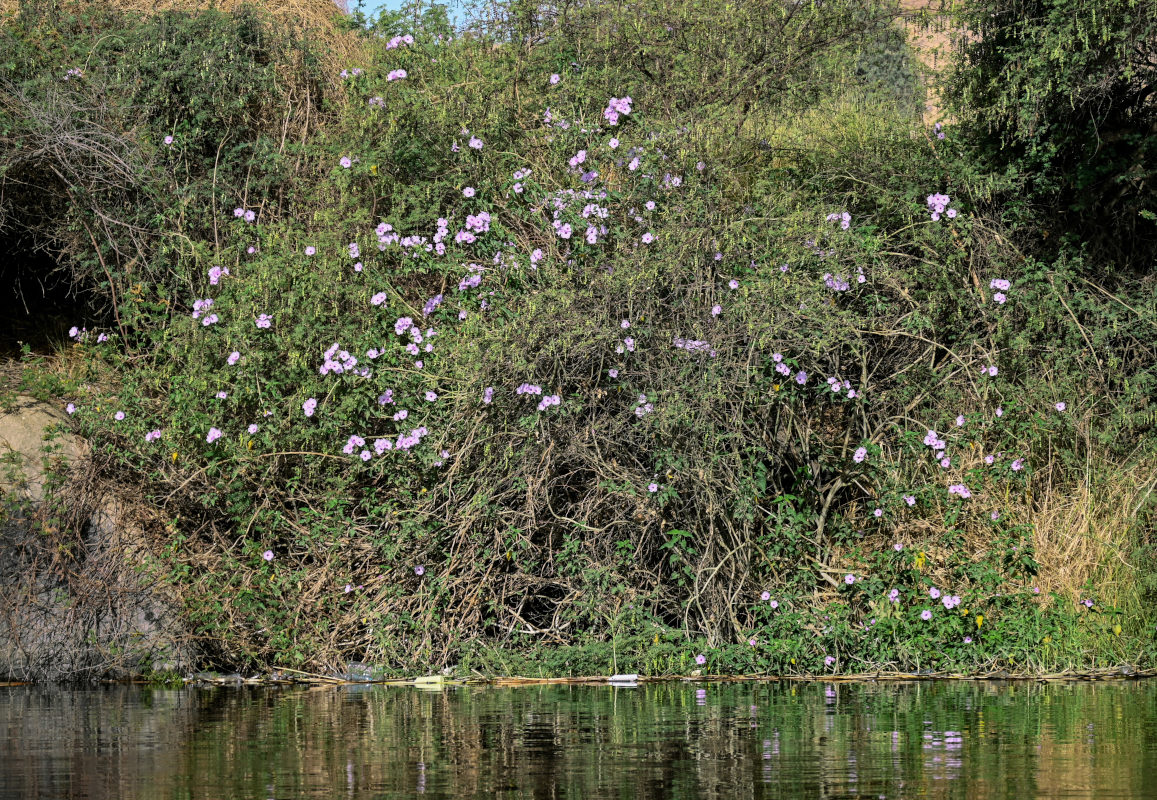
x: 309, y: 406
x: 1060, y: 406
x: 555, y: 78
x: 849, y: 579
x: 700, y: 659
x: 214, y: 435
x: 267, y: 555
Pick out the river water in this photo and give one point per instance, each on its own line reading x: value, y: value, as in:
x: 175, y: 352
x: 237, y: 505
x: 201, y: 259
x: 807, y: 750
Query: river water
x: 672, y: 740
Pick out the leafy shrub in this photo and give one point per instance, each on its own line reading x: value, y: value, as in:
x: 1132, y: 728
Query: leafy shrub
x: 1058, y: 94
x: 512, y: 348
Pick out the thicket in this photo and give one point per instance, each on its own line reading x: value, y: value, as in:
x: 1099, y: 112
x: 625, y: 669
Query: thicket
x: 615, y: 335
x: 1059, y: 97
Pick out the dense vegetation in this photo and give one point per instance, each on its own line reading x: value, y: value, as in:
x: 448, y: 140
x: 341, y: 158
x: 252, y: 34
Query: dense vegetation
x: 600, y: 336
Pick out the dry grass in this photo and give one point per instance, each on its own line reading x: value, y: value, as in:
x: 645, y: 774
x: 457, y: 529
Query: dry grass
x: 1083, y: 534
x: 309, y: 13
x: 314, y: 19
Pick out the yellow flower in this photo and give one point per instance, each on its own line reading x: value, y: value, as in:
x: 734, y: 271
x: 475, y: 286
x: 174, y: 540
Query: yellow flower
x: 1117, y: 629
x: 979, y: 620
x: 174, y: 456
x: 373, y: 169
x: 919, y: 560
x: 1046, y: 640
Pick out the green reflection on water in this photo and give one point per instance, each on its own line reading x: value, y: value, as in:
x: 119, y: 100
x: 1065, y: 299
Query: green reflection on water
x: 662, y: 740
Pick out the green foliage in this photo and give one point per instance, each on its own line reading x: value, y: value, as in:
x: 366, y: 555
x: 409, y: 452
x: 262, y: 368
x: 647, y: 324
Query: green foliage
x: 747, y: 339
x: 1058, y: 94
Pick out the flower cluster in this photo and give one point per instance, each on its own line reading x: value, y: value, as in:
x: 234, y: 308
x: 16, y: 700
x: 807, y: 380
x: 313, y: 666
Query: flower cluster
x: 398, y: 41
x: 615, y: 107
x: 938, y: 204
x: 216, y: 273
x: 695, y: 346
x: 844, y: 218
x: 939, y: 446
x: 1000, y: 286
x: 339, y: 361
x: 837, y: 386
x: 643, y: 407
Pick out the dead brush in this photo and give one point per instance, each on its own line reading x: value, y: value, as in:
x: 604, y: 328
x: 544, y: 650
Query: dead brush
x: 318, y: 21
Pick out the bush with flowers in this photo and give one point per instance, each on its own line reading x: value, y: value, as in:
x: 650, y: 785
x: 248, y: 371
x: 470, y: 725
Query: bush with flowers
x: 538, y: 336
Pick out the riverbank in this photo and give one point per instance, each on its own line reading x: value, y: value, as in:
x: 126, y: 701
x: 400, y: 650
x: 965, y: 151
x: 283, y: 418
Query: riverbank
x: 408, y: 347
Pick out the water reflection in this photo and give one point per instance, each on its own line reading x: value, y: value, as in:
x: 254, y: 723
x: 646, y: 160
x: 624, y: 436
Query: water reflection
x: 939, y: 740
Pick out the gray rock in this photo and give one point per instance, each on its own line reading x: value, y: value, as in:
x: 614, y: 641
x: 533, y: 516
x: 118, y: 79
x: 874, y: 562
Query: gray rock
x: 79, y: 602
